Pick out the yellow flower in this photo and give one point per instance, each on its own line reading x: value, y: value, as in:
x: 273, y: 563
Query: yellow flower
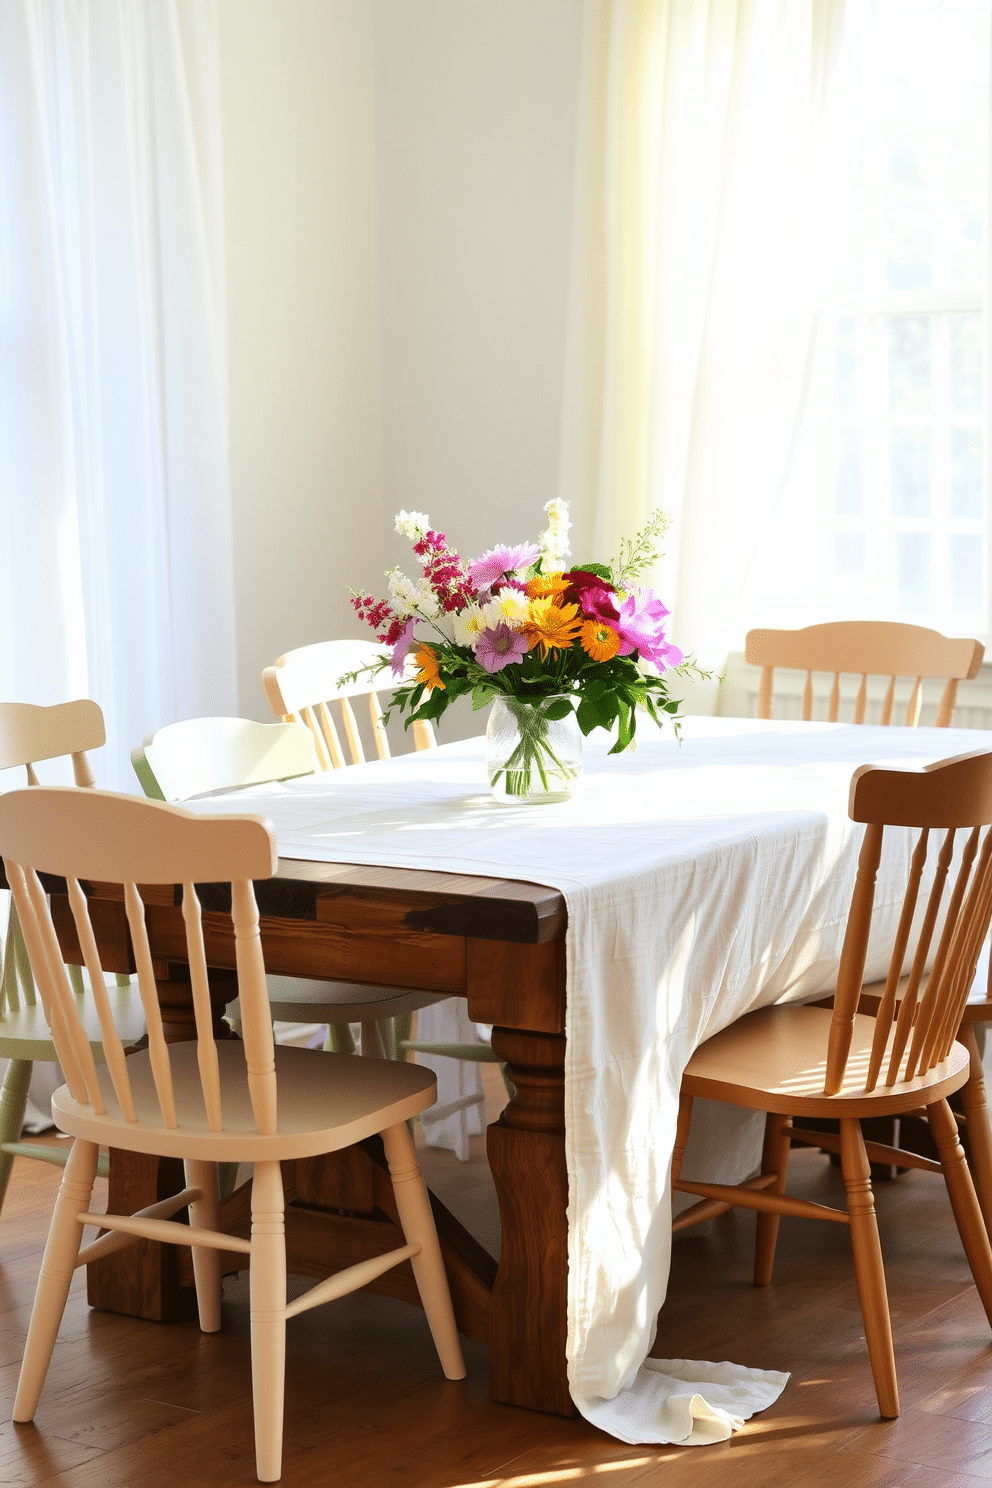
x: 542, y: 586
x: 428, y: 673
x: 552, y: 627
x: 599, y: 640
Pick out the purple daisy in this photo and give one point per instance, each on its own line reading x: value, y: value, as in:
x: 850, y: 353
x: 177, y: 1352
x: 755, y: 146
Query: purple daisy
x: 500, y: 646
x: 488, y: 569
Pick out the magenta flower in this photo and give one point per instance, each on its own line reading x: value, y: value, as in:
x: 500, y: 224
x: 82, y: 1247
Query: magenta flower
x: 500, y: 646
x: 641, y: 629
x: 404, y: 642
x: 488, y: 569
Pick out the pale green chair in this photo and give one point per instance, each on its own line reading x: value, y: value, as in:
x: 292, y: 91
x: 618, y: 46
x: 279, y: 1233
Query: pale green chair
x: 29, y: 735
x: 201, y: 756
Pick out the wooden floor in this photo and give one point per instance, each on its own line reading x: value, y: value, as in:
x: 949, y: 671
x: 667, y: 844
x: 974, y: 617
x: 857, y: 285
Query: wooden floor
x: 140, y: 1405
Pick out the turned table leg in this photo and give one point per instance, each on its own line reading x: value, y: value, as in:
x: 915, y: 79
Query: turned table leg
x: 528, y: 1307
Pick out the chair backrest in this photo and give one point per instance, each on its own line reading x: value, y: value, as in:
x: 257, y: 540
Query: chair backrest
x: 102, y: 837
x: 946, y: 798
x: 303, y: 685
x: 28, y: 735
x: 865, y: 648
x: 200, y: 755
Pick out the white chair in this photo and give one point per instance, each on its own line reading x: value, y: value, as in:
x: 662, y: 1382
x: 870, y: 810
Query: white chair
x: 29, y: 735
x: 203, y: 755
x: 205, y: 1102
x: 308, y: 686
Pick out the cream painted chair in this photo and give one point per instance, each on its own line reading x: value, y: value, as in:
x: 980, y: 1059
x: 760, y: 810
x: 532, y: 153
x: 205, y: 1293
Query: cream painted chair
x: 203, y: 755
x: 307, y: 686
x: 866, y: 648
x: 29, y: 735
x: 801, y: 1063
x: 205, y: 1102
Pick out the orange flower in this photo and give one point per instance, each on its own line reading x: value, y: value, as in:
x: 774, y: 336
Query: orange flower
x: 599, y: 640
x: 552, y: 627
x: 543, y: 586
x: 428, y: 673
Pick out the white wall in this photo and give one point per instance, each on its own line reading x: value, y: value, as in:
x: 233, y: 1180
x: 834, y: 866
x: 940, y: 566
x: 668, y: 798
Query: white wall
x: 399, y: 187
x: 297, y: 94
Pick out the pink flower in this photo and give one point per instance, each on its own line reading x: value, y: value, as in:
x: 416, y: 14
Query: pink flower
x: 491, y: 567
x: 499, y: 647
x: 398, y: 660
x: 640, y: 628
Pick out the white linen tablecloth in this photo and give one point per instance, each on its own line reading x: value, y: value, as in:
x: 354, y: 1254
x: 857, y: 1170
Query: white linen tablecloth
x: 702, y: 880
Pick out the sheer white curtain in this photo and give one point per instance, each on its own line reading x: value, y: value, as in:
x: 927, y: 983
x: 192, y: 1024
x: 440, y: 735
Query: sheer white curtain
x: 694, y: 283
x: 116, y: 577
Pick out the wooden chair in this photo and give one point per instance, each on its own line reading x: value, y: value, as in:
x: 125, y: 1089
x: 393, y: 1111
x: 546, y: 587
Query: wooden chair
x: 807, y: 1061
x: 305, y: 686
x: 865, y: 648
x: 28, y: 735
x: 202, y: 755
x: 202, y: 1101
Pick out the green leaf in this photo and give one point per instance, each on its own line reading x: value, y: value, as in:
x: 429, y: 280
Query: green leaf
x: 481, y: 695
x: 558, y: 709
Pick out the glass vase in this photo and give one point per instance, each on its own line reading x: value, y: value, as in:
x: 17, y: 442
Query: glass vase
x: 533, y: 749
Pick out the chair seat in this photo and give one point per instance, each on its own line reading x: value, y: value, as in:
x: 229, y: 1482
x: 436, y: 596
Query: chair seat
x: 299, y: 1000
x: 326, y: 1101
x: 774, y: 1060
x: 24, y: 1033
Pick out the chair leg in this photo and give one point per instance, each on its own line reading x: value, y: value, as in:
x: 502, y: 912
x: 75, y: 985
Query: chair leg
x: 774, y: 1159
x: 13, y: 1101
x: 975, y: 1105
x: 417, y: 1221
x: 204, y: 1214
x: 267, y: 1290
x: 868, y: 1266
x: 339, y: 1039
x: 55, y: 1277
x: 373, y: 1041
x: 964, y: 1201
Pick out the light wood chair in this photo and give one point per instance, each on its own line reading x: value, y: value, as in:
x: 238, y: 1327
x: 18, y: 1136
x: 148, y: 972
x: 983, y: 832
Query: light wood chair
x: 203, y: 755
x: 807, y: 1061
x: 865, y: 648
x: 28, y: 735
x: 306, y: 686
x: 204, y: 1102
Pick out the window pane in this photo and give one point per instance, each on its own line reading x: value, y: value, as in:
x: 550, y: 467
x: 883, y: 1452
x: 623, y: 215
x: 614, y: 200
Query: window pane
x: 913, y: 572
x: 967, y: 555
x: 850, y: 494
x: 910, y: 361
x: 849, y: 556
x: 909, y: 472
x: 966, y: 473
x: 847, y: 362
x: 910, y: 258
x: 965, y: 332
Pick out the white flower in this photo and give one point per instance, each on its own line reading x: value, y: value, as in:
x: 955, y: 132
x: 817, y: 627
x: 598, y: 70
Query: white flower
x: 511, y: 606
x: 469, y: 625
x: 554, y: 539
x: 427, y: 601
x: 403, y: 592
x: 412, y: 524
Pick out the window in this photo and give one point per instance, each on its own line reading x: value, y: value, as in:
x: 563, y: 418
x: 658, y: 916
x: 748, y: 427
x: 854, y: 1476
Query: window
x: 887, y: 512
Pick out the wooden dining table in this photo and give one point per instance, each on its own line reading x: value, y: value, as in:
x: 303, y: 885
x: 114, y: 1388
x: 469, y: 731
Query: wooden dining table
x: 701, y: 881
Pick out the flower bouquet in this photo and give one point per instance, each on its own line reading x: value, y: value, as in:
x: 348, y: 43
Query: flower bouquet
x: 558, y: 649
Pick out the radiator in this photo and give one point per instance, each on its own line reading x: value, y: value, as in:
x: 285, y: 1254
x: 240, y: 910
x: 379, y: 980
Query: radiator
x: 738, y: 697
